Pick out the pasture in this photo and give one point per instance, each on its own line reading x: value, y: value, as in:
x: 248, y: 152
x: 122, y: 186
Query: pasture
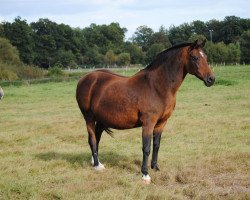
x: 204, y: 153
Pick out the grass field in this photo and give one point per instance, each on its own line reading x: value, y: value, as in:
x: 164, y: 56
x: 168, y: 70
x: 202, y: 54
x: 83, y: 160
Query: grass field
x: 204, y: 154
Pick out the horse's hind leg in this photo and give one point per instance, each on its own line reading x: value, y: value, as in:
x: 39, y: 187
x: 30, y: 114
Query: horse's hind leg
x: 99, y: 128
x: 98, y: 133
x: 93, y: 143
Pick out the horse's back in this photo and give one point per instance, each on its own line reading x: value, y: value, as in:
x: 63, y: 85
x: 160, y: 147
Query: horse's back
x: 94, y: 83
x: 109, y: 98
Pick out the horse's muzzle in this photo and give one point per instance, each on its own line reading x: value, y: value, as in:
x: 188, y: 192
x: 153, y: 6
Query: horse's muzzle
x: 209, y: 81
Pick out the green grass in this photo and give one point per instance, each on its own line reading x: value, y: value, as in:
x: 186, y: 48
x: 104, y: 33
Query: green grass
x: 204, y: 154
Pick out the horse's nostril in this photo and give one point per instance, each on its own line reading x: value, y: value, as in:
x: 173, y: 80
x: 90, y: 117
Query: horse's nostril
x: 210, y: 79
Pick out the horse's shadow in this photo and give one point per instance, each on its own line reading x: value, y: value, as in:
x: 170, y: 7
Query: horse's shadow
x: 83, y: 159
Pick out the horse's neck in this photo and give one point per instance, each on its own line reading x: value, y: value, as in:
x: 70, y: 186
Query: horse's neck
x: 169, y: 77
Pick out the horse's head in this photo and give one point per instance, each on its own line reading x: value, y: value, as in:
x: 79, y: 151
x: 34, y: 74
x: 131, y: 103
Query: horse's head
x: 197, y: 63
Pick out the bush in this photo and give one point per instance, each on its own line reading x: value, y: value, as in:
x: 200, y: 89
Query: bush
x: 14, y: 72
x: 7, y: 75
x: 56, y: 71
x: 29, y: 72
x: 123, y: 59
x: 8, y: 53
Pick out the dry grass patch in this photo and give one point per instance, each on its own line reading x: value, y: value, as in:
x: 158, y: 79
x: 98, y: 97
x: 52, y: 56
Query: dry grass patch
x: 204, y: 152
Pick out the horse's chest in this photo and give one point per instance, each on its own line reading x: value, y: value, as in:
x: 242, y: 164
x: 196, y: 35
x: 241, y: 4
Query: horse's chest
x: 168, y: 110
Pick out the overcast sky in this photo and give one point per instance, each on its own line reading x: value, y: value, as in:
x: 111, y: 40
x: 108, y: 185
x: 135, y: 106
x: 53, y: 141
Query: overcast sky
x: 128, y: 13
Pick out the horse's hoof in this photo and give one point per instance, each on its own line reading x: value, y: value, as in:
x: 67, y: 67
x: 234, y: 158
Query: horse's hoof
x: 155, y: 168
x: 99, y: 167
x: 146, y: 179
x: 100, y: 164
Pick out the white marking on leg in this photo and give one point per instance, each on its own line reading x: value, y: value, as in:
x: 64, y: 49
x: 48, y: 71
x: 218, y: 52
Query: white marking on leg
x: 146, y: 179
x: 99, y: 167
x: 92, y: 161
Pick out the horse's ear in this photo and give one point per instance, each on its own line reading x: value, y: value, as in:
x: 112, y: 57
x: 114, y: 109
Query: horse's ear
x: 203, y: 43
x: 194, y: 45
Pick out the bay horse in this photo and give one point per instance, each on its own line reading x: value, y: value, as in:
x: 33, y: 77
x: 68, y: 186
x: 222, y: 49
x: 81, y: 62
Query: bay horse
x: 146, y: 99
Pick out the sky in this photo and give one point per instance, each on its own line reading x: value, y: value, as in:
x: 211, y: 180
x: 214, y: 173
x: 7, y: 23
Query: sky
x: 128, y: 13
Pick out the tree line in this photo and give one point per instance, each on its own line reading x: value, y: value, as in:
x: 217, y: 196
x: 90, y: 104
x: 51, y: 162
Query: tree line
x: 45, y: 43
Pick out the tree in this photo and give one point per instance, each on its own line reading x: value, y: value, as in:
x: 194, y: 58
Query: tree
x: 160, y: 37
x: 105, y: 37
x: 136, y: 54
x: 45, y: 42
x: 1, y: 30
x: 214, y: 26
x: 110, y: 58
x: 153, y: 51
x: 195, y: 36
x: 180, y: 34
x: 66, y: 58
x: 199, y: 27
x: 217, y: 53
x: 142, y: 37
x: 245, y: 47
x: 93, y: 57
x: 19, y: 34
x: 233, y: 56
x: 8, y: 53
x: 231, y: 29
x: 123, y: 59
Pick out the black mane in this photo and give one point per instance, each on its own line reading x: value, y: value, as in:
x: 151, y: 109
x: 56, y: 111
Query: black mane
x: 163, y: 55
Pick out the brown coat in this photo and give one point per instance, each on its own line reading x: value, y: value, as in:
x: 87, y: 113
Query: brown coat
x: 146, y: 99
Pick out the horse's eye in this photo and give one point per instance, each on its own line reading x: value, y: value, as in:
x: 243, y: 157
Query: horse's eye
x: 194, y: 58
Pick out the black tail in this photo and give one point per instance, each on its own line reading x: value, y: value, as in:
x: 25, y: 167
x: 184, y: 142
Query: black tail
x: 108, y: 131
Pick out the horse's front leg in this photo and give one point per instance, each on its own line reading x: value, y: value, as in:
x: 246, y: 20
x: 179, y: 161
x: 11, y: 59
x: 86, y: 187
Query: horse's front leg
x: 147, y: 132
x: 156, y: 145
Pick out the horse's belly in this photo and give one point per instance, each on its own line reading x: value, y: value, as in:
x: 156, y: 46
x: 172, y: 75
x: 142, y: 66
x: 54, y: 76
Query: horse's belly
x: 118, y: 118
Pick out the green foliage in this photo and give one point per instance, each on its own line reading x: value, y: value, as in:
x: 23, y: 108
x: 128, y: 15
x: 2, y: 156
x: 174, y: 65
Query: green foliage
x: 233, y: 56
x: 160, y: 37
x: 11, y: 68
x: 195, y: 36
x: 56, y: 71
x: 123, y: 59
x: 110, y: 58
x: 66, y: 58
x: 245, y: 47
x: 153, y: 51
x: 204, y: 151
x: 136, y: 54
x: 142, y: 37
x: 7, y: 74
x: 44, y: 42
x: 221, y: 53
x: 8, y: 53
x: 106, y: 37
x: 29, y: 72
x: 180, y: 34
x: 231, y: 29
x: 93, y: 57
x: 12, y: 72
x: 20, y: 35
